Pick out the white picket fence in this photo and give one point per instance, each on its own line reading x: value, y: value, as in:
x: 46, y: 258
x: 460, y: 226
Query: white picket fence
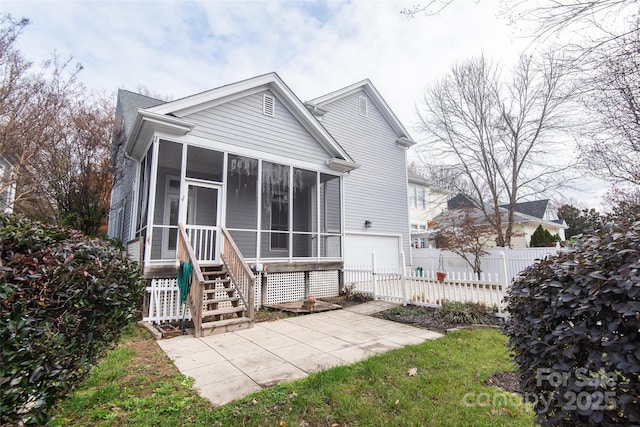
x: 423, y: 288
x: 164, y: 301
x: 497, y: 260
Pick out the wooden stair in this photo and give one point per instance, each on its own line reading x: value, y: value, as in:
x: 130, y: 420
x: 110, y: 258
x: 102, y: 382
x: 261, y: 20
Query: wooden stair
x: 222, y: 308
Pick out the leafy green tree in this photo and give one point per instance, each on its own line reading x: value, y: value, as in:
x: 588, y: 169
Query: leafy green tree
x: 580, y: 221
x: 624, y: 206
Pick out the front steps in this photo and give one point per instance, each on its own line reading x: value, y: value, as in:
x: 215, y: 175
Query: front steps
x: 222, y: 308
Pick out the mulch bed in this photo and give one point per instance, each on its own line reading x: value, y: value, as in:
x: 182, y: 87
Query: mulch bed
x: 427, y: 317
x: 507, y: 381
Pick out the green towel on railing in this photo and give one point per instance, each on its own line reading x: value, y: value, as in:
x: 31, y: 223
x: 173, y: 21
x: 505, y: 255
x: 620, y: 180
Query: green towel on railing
x: 184, y: 277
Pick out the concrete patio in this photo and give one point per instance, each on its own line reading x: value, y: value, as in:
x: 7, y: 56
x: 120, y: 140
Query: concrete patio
x: 232, y: 365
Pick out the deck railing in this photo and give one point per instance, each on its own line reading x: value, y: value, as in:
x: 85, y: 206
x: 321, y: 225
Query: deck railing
x: 239, y: 272
x: 196, y: 290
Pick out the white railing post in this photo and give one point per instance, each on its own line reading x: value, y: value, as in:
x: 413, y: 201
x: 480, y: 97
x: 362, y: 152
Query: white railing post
x: 373, y: 276
x: 503, y: 279
x: 403, y: 279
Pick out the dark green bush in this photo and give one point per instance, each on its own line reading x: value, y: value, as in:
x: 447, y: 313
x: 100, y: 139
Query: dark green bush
x: 574, y: 331
x: 542, y: 238
x: 63, y: 298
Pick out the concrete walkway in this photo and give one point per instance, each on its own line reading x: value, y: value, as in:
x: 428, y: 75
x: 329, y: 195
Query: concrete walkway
x: 232, y: 365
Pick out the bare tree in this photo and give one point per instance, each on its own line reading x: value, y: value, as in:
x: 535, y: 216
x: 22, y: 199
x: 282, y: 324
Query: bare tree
x: 610, y: 141
x: 56, y: 135
x: 500, y: 135
x: 600, y: 19
x: 465, y: 233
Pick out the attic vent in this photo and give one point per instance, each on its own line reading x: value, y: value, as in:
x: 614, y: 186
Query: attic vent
x: 362, y: 101
x: 268, y: 105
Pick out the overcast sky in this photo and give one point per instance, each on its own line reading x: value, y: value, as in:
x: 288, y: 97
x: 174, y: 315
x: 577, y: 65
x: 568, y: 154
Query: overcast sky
x: 179, y: 48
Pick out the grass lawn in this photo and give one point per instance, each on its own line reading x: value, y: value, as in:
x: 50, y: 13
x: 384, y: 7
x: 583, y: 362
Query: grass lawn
x: 136, y: 385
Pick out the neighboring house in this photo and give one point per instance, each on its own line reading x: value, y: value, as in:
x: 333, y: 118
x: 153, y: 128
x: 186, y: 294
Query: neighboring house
x: 528, y: 216
x: 7, y: 186
x: 534, y: 213
x: 300, y: 188
x: 426, y: 201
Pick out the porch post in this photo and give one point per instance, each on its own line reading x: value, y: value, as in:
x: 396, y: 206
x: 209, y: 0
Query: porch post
x: 152, y: 201
x: 263, y: 288
x: 503, y: 279
x: 403, y: 279
x: 373, y: 276
x: 307, y: 284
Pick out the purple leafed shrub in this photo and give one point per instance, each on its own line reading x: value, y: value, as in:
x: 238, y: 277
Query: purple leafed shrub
x: 574, y: 331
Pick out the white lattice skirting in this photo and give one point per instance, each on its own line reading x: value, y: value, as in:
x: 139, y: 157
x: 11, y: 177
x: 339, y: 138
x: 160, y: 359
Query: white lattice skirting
x: 287, y: 287
x: 324, y: 283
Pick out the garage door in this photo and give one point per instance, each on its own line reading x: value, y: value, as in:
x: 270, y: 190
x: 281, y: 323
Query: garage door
x: 359, y: 247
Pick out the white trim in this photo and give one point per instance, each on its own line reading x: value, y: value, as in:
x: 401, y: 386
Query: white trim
x: 273, y: 83
x: 147, y: 124
x: 363, y: 233
x: 340, y: 165
x: 318, y: 214
x: 152, y: 199
x: 250, y: 152
x: 165, y: 252
x: 133, y: 220
x: 373, y: 94
x: 259, y: 212
x: 186, y: 183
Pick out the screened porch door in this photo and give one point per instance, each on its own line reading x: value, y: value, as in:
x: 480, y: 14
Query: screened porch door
x: 202, y: 220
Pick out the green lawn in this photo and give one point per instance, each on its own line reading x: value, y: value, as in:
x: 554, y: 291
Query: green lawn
x: 136, y: 385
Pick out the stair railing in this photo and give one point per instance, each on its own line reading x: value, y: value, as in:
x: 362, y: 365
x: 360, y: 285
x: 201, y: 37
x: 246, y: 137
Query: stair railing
x: 196, y: 290
x: 239, y: 272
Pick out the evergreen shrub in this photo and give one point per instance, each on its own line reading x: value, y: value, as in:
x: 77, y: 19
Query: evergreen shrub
x: 64, y: 298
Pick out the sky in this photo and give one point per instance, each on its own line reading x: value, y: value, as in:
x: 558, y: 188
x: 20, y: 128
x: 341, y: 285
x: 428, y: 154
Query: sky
x: 178, y: 48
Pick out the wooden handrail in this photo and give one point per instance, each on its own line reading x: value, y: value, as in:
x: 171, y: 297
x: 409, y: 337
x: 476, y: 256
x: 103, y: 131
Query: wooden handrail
x: 232, y: 243
x: 238, y: 270
x: 196, y: 291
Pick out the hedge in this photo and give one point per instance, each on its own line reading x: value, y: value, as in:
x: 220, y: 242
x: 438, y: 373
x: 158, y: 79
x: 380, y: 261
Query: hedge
x: 64, y: 298
x: 574, y: 331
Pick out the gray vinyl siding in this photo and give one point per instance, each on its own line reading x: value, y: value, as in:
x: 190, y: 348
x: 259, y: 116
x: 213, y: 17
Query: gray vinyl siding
x: 121, y: 208
x: 377, y: 191
x: 241, y: 122
x: 121, y: 199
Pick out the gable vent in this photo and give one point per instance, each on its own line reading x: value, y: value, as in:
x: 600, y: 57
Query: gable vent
x: 268, y: 105
x: 362, y: 103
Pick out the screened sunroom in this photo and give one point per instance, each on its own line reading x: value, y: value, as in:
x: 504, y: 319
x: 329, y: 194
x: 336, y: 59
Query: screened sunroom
x: 274, y: 211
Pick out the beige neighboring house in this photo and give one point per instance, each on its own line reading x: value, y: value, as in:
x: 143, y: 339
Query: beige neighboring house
x: 528, y: 216
x: 426, y: 201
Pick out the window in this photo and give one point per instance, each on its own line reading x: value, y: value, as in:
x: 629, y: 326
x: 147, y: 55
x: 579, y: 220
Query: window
x: 420, y: 198
x: 362, y: 104
x: 280, y: 221
x: 417, y: 199
x: 418, y: 236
